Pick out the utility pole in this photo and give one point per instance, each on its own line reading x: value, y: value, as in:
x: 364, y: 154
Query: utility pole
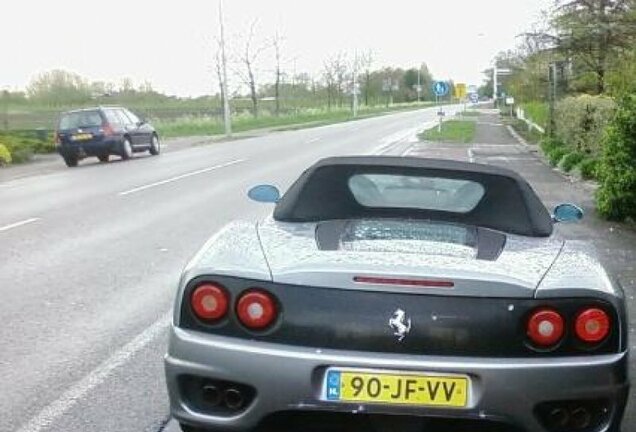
x: 552, y: 94
x: 494, y: 85
x: 227, y: 119
x: 419, y: 84
x: 355, y: 85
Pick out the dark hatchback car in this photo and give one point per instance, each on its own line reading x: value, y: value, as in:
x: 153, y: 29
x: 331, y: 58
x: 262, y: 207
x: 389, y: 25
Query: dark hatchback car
x: 102, y: 132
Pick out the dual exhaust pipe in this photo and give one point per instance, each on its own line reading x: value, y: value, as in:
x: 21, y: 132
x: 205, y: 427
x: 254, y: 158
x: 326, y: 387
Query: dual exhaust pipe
x: 231, y: 398
x: 570, y: 419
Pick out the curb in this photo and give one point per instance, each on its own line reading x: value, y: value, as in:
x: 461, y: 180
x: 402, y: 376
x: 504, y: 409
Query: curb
x: 586, y: 184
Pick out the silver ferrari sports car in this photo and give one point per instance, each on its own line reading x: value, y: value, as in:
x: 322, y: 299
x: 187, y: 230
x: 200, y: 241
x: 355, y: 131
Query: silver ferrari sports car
x: 390, y: 292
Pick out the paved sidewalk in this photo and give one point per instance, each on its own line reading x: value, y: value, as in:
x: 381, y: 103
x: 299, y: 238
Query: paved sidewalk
x: 616, y: 243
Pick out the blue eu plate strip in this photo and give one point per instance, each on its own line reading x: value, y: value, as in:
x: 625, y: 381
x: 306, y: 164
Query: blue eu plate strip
x: 333, y: 385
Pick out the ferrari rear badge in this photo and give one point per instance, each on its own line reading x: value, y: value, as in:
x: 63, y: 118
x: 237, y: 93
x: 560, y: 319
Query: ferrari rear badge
x: 400, y: 323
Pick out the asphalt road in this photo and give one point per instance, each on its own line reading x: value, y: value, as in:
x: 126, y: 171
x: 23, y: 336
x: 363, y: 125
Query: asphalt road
x: 89, y: 261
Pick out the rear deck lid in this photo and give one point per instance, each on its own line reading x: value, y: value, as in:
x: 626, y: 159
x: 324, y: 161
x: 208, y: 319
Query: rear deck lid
x: 403, y: 255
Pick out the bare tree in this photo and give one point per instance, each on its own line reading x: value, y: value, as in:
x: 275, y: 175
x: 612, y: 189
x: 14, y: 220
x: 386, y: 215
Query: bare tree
x: 341, y: 70
x: 248, y: 58
x: 366, y: 61
x: 329, y: 76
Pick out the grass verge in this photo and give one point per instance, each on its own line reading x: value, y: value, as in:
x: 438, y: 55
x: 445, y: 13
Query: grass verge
x: 532, y: 136
x: 453, y: 131
x: 189, y: 126
x: 470, y: 113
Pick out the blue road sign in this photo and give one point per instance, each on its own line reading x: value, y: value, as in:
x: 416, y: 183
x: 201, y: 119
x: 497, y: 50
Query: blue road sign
x: 440, y: 88
x: 474, y: 97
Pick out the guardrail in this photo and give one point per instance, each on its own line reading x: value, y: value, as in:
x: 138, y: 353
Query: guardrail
x: 521, y: 115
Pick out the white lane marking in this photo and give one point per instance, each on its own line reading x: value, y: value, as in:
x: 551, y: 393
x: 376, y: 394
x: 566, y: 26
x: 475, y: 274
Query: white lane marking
x: 18, y: 224
x: 313, y: 140
x: 180, y: 177
x: 73, y: 395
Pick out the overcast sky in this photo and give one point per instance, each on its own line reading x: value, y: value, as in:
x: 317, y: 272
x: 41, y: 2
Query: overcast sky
x: 170, y: 43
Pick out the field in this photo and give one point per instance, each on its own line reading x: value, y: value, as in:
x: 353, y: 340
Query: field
x: 206, y: 125
x: 27, y: 131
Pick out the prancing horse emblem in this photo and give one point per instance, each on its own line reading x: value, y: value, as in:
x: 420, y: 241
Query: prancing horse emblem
x: 400, y: 324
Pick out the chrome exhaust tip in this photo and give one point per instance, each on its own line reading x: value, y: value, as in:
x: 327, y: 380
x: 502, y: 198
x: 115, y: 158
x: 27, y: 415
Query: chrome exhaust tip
x: 581, y: 418
x: 211, y: 394
x: 233, y: 398
x: 559, y: 417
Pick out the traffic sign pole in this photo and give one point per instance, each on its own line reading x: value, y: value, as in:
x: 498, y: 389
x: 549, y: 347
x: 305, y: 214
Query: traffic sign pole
x: 440, y: 88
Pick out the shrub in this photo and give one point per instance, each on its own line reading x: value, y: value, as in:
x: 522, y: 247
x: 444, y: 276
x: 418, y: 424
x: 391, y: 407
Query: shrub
x: 23, y: 144
x: 616, y: 197
x: 537, y: 112
x: 588, y: 168
x: 556, y: 154
x: 5, y: 155
x: 571, y: 160
x: 548, y: 144
x: 21, y: 154
x: 580, y: 122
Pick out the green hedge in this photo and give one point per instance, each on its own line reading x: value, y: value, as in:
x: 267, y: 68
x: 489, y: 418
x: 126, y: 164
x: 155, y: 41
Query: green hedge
x: 21, y: 145
x: 616, y: 197
x: 556, y: 154
x: 571, y: 160
x: 580, y: 122
x: 588, y: 168
x: 5, y: 155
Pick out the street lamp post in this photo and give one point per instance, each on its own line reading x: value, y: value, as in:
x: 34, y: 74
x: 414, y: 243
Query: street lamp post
x: 226, y: 102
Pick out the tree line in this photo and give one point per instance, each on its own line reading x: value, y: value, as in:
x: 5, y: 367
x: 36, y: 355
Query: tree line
x: 254, y: 87
x: 576, y: 69
x: 588, y: 45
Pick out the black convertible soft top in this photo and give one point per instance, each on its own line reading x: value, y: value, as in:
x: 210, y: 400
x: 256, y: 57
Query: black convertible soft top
x: 322, y: 193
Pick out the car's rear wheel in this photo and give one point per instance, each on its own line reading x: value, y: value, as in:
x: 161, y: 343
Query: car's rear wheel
x: 126, y: 149
x: 103, y: 158
x: 155, y: 146
x: 71, y: 161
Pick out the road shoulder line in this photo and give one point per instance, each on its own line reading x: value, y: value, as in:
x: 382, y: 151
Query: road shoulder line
x: 18, y: 224
x: 73, y: 395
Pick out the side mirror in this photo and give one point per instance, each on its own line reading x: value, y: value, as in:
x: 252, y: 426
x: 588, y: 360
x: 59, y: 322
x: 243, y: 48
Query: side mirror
x: 264, y: 194
x: 567, y: 213
x: 141, y: 123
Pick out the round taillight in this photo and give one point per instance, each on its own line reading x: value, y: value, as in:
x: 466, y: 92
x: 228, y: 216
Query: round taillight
x: 592, y: 325
x: 209, y: 302
x: 256, y: 309
x: 545, y: 327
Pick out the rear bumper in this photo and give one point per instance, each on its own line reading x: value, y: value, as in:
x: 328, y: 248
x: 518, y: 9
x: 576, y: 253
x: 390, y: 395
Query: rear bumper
x: 292, y: 378
x: 91, y: 148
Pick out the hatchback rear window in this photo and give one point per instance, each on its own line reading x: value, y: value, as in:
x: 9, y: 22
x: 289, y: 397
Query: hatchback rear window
x: 416, y: 192
x: 80, y: 119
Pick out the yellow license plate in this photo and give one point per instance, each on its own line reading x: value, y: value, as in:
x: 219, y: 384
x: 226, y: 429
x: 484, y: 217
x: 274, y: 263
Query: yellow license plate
x: 397, y: 388
x: 82, y: 137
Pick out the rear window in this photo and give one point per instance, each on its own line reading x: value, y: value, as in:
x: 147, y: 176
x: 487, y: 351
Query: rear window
x: 112, y: 117
x: 416, y: 192
x: 80, y: 119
